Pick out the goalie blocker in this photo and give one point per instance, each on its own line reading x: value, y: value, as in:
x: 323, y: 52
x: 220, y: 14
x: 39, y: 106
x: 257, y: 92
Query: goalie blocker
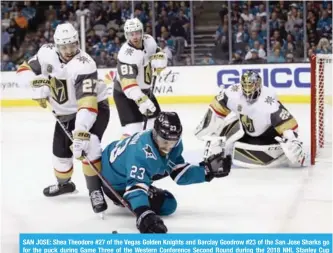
x: 259, y: 130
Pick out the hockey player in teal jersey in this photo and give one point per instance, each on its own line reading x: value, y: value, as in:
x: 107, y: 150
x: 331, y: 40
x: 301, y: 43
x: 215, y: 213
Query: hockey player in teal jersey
x: 133, y: 164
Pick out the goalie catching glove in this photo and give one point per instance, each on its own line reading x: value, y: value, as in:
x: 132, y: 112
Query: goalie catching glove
x: 292, y: 148
x: 40, y: 90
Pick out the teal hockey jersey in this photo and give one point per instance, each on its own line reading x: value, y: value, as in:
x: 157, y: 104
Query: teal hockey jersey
x: 131, y: 166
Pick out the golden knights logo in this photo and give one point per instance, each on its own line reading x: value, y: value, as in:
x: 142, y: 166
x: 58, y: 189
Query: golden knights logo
x: 149, y: 152
x: 59, y: 90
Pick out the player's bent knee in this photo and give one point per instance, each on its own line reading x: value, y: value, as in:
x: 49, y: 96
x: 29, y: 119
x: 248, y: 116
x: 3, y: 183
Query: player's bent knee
x: 169, y: 204
x: 63, y: 167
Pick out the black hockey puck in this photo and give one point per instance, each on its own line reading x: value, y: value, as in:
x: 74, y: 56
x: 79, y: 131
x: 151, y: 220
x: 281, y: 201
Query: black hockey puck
x: 114, y: 232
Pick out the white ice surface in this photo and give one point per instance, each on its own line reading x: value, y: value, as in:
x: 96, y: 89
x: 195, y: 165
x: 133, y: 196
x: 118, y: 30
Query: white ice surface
x: 249, y: 200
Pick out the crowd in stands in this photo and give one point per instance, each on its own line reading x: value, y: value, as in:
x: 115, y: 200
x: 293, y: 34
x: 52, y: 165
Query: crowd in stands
x: 27, y: 25
x: 281, y: 38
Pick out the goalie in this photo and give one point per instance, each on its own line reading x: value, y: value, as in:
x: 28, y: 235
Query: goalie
x: 259, y: 130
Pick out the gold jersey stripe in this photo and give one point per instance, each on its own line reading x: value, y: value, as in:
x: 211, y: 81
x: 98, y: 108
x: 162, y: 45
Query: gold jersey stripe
x: 127, y: 83
x: 88, y: 171
x: 24, y: 66
x: 218, y: 108
x: 289, y: 124
x: 63, y: 175
x: 88, y: 102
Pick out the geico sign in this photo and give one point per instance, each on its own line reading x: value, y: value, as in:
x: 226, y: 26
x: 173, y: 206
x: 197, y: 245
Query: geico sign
x: 278, y: 77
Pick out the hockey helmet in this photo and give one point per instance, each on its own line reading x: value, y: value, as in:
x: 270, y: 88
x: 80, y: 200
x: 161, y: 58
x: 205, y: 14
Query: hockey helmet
x: 167, y: 131
x: 66, y: 39
x: 251, y: 85
x: 133, y: 30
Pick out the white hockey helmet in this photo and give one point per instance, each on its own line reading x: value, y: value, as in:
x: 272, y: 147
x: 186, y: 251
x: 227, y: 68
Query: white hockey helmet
x: 66, y: 39
x: 132, y: 25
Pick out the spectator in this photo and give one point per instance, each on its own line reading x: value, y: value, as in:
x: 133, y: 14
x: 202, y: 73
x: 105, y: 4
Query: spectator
x: 245, y: 15
x: 255, y: 37
x: 324, y: 25
x: 166, y: 50
x: 178, y: 33
x: 237, y: 57
x: 323, y: 47
x: 254, y: 57
x: 115, y: 12
x: 289, y: 58
x: 5, y: 38
x: 7, y: 64
x: 5, y: 21
x: 276, y: 57
x: 103, y: 60
x: 274, y: 22
x: 21, y: 21
x: 207, y: 60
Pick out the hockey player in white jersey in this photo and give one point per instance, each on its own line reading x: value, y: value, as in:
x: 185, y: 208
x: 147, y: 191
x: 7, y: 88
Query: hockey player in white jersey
x: 260, y: 131
x: 138, y: 59
x: 66, y: 77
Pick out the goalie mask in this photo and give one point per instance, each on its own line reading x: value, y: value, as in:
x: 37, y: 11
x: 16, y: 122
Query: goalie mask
x: 133, y: 29
x: 251, y: 86
x: 66, y: 39
x: 167, y: 131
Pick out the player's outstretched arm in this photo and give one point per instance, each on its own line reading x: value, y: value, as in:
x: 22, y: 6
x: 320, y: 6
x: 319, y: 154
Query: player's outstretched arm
x: 31, y: 72
x: 214, y: 166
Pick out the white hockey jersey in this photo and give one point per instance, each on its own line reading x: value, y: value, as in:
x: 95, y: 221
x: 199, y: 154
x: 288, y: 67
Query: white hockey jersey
x: 256, y: 118
x: 74, y: 85
x: 133, y: 67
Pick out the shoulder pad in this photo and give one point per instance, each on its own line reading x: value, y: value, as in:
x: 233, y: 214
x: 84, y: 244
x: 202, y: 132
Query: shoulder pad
x: 233, y: 90
x: 83, y: 64
x: 149, y: 42
x: 46, y: 50
x: 129, y: 55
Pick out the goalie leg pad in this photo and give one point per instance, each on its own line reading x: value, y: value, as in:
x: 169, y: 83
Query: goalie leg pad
x: 258, y: 156
x: 63, y: 168
x: 162, y: 202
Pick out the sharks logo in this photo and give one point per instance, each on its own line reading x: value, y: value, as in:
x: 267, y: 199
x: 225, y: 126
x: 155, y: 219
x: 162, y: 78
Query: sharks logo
x: 149, y: 152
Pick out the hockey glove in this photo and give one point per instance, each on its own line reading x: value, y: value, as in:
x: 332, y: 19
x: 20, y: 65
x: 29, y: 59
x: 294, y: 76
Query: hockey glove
x: 146, y: 106
x: 148, y: 222
x: 293, y: 150
x: 80, y: 143
x: 40, y: 90
x: 159, y: 62
x: 217, y: 166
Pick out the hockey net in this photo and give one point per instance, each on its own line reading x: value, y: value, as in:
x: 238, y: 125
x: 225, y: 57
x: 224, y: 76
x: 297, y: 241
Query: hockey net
x: 321, y: 108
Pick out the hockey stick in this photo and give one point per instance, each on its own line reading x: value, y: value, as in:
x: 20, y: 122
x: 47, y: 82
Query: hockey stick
x: 93, y: 167
x: 151, y: 93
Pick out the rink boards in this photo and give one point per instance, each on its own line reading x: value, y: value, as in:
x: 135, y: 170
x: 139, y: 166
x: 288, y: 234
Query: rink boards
x: 189, y: 84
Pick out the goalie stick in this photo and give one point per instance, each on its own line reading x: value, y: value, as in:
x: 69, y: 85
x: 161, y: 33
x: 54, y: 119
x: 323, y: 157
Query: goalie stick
x: 93, y: 167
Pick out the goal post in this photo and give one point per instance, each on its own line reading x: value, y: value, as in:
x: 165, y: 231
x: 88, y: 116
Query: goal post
x: 321, y: 107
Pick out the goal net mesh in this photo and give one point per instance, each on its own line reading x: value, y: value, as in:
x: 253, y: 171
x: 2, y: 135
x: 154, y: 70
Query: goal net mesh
x: 321, y: 108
